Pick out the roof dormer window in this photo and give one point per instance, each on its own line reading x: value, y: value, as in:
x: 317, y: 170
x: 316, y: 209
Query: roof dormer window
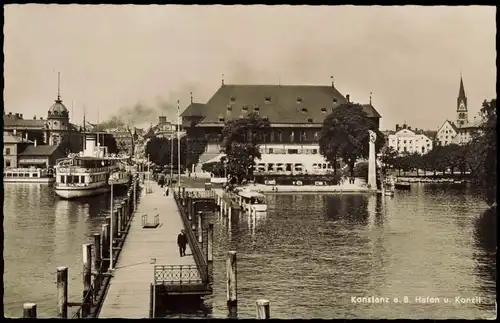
x: 304, y: 109
x: 256, y: 109
x: 299, y: 100
x: 334, y: 100
x: 267, y: 99
x: 323, y: 110
x: 232, y: 99
x: 309, y: 120
x: 244, y: 108
x: 229, y: 108
x: 221, y: 119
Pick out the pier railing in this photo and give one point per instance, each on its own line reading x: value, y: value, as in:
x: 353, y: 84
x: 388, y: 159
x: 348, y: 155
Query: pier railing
x: 177, y: 274
x: 198, y: 255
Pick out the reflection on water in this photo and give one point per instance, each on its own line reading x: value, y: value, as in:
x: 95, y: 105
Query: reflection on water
x: 309, y: 254
x: 43, y: 232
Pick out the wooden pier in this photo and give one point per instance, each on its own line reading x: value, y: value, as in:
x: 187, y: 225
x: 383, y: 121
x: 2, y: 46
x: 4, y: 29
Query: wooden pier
x: 150, y: 258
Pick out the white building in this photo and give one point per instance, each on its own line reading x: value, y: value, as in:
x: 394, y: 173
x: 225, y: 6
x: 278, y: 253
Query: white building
x: 447, y: 133
x: 406, y: 140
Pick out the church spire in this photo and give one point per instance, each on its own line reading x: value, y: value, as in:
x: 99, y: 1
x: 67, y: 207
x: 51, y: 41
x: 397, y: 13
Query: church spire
x: 461, y: 91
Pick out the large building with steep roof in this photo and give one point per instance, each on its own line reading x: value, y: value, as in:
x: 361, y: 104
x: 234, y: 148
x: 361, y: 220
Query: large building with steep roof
x: 295, y: 112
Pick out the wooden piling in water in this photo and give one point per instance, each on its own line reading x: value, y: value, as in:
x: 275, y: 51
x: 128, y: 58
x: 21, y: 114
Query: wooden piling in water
x: 105, y: 246
x: 97, y: 252
x: 87, y: 279
x: 29, y: 310
x: 263, y: 309
x: 115, y: 224
x: 200, y: 227
x: 231, y: 286
x: 62, y: 292
x: 210, y: 250
x: 119, y: 221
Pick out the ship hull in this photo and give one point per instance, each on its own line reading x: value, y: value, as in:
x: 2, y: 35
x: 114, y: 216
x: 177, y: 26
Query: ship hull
x: 46, y: 180
x: 69, y: 193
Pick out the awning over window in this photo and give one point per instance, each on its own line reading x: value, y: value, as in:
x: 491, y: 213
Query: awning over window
x: 32, y: 162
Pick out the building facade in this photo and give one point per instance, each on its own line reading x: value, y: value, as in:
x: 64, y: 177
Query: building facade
x: 44, y: 156
x: 295, y: 113
x: 12, y: 146
x: 56, y: 129
x: 406, y: 140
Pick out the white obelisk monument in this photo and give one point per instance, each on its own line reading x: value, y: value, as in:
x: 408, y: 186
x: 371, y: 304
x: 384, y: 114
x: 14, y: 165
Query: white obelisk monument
x: 372, y: 172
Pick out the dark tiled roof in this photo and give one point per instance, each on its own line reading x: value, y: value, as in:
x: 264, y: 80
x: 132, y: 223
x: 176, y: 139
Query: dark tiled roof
x: 149, y: 134
x: 370, y: 111
x: 279, y: 103
x: 12, y: 139
x: 42, y: 150
x: 430, y: 133
x: 194, y: 109
x: 19, y: 123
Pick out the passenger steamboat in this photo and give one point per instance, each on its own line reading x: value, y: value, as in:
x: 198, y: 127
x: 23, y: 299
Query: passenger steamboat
x: 88, y: 173
x: 28, y: 175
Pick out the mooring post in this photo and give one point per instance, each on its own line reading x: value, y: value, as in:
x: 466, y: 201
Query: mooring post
x: 193, y: 222
x: 200, y: 227
x: 62, y: 292
x: 263, y: 310
x: 97, y: 252
x: 97, y: 263
x: 135, y: 194
x: 115, y: 225
x: 87, y: 279
x: 29, y: 310
x: 210, y: 250
x: 119, y: 221
x: 231, y: 288
x: 105, y: 246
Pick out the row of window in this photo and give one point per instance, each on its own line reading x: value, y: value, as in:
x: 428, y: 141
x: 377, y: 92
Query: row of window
x: 75, y: 179
x: 7, y: 151
x: 302, y: 151
x: 409, y: 141
x: 273, y: 136
x: 20, y: 175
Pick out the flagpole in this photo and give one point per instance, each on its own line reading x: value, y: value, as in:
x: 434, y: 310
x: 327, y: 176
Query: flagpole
x: 178, y: 150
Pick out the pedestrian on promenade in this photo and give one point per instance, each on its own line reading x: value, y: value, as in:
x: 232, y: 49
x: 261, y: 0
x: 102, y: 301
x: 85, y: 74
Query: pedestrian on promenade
x: 182, y: 242
x: 165, y: 192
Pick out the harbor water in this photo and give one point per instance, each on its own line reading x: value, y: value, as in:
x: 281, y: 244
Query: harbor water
x: 310, y: 255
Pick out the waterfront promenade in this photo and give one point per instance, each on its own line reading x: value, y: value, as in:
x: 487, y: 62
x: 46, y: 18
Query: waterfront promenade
x: 128, y: 295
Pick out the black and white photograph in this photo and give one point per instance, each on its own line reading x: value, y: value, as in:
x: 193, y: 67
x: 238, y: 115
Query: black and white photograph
x: 249, y: 162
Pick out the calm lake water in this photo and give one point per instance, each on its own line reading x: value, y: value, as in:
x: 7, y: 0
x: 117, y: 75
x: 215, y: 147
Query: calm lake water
x: 309, y: 255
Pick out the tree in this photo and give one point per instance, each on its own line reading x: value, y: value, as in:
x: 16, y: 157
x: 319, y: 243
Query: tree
x: 484, y: 162
x: 388, y: 157
x: 240, y: 144
x: 159, y: 151
x: 416, y: 162
x: 194, y: 149
x: 345, y: 135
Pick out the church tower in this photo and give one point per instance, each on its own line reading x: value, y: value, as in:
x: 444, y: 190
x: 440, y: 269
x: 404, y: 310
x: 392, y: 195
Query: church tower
x: 462, y: 114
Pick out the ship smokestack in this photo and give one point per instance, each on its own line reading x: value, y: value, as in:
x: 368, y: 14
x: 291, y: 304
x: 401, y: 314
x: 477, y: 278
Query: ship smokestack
x: 90, y: 144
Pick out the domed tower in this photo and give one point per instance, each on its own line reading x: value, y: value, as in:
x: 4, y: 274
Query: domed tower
x: 57, y: 124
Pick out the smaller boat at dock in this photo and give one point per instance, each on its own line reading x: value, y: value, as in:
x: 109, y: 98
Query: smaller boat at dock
x: 252, y: 201
x: 28, y: 175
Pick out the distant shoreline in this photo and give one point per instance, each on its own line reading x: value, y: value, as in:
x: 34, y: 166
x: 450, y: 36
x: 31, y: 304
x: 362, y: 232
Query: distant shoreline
x: 308, y: 189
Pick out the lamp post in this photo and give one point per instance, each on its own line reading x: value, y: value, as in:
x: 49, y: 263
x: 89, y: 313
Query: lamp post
x: 112, y: 178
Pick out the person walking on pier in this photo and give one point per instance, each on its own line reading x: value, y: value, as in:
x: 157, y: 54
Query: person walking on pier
x: 182, y: 242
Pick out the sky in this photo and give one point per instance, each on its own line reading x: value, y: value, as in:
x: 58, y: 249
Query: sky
x: 135, y: 62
